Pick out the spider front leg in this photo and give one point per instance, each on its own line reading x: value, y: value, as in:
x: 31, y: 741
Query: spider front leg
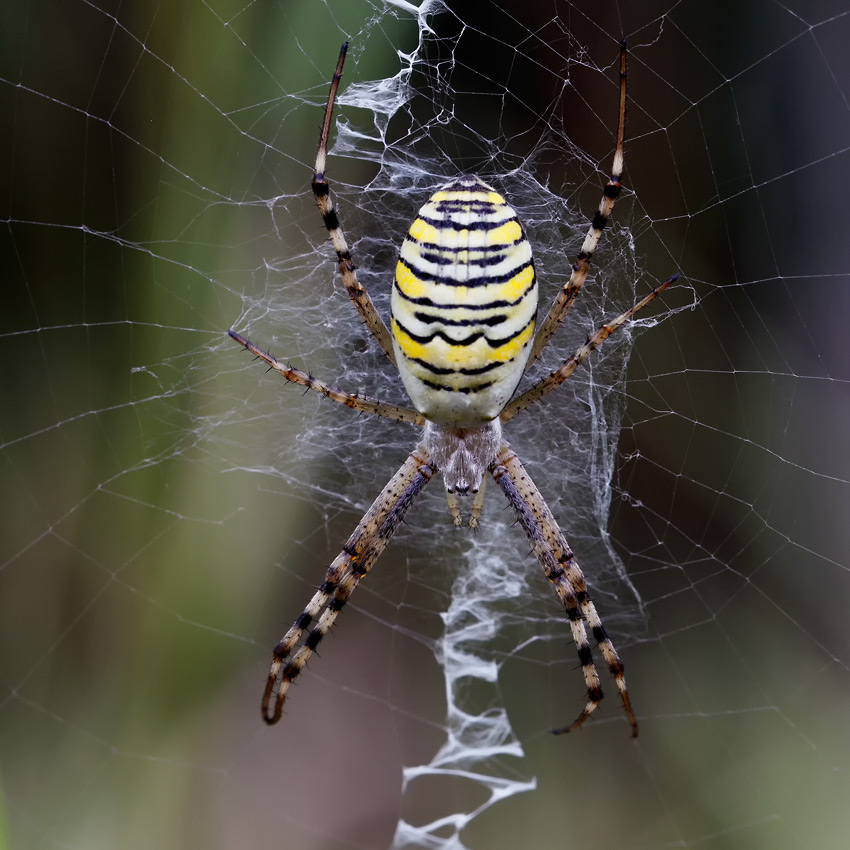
x: 360, y: 552
x: 558, y: 562
x: 359, y: 296
x: 353, y: 400
x: 551, y: 382
x: 570, y: 290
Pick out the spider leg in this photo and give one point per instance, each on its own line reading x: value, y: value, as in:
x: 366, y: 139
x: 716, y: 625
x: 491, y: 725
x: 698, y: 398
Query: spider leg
x: 352, y: 400
x: 559, y: 563
x: 359, y: 553
x: 321, y: 189
x: 570, y: 290
x: 556, y: 378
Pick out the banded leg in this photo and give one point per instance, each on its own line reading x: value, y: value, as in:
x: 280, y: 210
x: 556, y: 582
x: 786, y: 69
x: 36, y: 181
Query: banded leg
x: 352, y: 400
x: 551, y: 382
x: 559, y: 563
x: 569, y: 292
x: 359, y: 296
x: 360, y: 552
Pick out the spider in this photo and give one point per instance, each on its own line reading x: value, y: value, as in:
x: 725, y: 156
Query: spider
x: 463, y: 331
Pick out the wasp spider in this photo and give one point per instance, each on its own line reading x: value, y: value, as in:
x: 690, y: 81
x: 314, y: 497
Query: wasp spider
x: 463, y: 331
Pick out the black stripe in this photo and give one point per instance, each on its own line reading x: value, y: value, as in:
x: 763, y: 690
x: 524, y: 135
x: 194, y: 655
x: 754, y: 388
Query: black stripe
x: 464, y: 390
x: 585, y: 656
x: 599, y: 221
x: 470, y: 205
x: 470, y: 340
x: 496, y: 343
x: 313, y: 640
x: 425, y: 340
x: 437, y: 370
x: 490, y: 305
x: 492, y: 254
x: 472, y: 225
x: 449, y: 280
x: 432, y: 318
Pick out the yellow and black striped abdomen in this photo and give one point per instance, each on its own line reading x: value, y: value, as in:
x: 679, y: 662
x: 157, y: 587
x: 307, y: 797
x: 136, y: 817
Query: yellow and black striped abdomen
x: 463, y: 305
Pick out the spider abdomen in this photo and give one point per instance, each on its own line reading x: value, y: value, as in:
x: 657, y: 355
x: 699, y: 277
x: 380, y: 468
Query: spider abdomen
x: 464, y: 304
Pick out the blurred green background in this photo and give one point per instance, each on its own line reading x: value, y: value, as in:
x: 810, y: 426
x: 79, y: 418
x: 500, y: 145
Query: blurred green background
x: 155, y: 545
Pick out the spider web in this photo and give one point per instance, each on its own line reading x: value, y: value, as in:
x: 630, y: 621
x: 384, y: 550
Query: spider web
x: 168, y: 507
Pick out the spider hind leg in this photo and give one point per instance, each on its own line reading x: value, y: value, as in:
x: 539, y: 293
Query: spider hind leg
x: 560, y: 566
x: 357, y: 557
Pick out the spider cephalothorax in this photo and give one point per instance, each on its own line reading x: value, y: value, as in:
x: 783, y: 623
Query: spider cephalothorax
x: 463, y: 455
x: 464, y: 332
